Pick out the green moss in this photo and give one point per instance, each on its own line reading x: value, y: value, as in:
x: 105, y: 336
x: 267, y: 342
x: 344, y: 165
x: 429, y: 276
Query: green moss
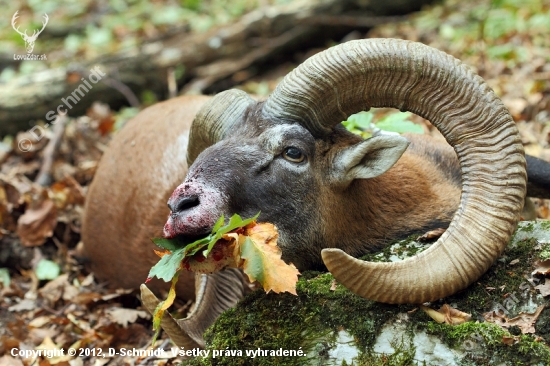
x: 545, y: 252
x: 485, y: 346
x: 277, y: 321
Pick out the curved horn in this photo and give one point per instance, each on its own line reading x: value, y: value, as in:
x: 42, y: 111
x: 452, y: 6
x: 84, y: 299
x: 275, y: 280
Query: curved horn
x: 216, y: 119
x: 214, y: 294
x: 357, y: 75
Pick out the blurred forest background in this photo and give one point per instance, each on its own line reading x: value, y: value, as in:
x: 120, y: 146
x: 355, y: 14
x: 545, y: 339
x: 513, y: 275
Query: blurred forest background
x: 154, y: 50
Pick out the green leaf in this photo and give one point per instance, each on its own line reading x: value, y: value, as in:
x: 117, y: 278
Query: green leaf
x: 168, y: 244
x: 5, y: 277
x: 397, y: 123
x: 256, y: 260
x: 234, y: 222
x: 362, y: 120
x: 218, y: 224
x: 169, y: 264
x: 47, y: 270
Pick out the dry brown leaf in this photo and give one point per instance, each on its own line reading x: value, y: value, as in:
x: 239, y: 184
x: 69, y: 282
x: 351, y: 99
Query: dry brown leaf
x: 66, y: 192
x: 40, y: 321
x: 524, y: 321
x: 125, y: 316
x: 542, y: 268
x: 53, y: 290
x: 10, y: 361
x: 23, y: 305
x: 447, y: 314
x: 544, y: 289
x: 432, y: 234
x: 510, y: 340
x: 37, y: 223
x: 10, y: 199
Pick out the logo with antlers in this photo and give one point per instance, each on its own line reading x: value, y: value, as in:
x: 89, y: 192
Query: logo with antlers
x: 29, y: 40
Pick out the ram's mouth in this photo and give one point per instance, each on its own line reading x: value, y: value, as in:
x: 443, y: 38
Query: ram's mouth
x: 185, y: 229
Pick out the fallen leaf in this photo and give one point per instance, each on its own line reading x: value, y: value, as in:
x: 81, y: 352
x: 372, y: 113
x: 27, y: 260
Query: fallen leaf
x: 125, y: 316
x: 55, y: 351
x: 40, y: 321
x: 447, y: 314
x: 37, y: 224
x: 542, y: 268
x: 23, y: 305
x: 509, y: 340
x: 47, y: 270
x: 524, y: 321
x: 66, y: 192
x: 53, y: 290
x: 432, y: 234
x: 544, y: 289
x: 10, y: 361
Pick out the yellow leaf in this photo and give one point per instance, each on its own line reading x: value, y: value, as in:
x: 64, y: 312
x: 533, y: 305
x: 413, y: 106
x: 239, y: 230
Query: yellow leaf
x: 262, y: 260
x: 447, y: 314
x: 163, y: 305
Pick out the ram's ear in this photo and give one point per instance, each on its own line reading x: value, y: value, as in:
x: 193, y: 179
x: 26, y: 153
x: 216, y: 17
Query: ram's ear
x: 368, y: 158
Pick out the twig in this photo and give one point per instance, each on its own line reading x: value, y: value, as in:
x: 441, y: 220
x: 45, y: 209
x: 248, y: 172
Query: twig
x: 172, y: 84
x: 44, y: 177
x: 124, y: 90
x: 351, y: 21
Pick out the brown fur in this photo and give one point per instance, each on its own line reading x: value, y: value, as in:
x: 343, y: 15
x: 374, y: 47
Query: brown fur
x: 126, y: 203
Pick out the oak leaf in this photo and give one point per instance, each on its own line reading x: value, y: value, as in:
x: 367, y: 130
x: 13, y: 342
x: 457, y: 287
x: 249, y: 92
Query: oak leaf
x: 524, y: 321
x: 37, y: 223
x: 544, y: 289
x: 542, y: 268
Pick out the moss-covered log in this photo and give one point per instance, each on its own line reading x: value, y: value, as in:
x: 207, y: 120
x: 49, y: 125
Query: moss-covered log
x: 328, y: 325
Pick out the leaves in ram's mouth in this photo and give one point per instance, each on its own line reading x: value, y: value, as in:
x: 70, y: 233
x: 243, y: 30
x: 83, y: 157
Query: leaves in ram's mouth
x: 239, y: 244
x: 171, y: 259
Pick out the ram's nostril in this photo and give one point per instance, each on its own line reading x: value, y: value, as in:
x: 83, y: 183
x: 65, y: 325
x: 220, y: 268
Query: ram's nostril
x: 183, y: 203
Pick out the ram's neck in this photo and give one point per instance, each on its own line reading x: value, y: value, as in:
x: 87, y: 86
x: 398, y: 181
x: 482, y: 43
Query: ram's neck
x: 412, y: 197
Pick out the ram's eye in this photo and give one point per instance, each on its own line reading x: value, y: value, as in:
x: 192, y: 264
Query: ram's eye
x: 293, y: 154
